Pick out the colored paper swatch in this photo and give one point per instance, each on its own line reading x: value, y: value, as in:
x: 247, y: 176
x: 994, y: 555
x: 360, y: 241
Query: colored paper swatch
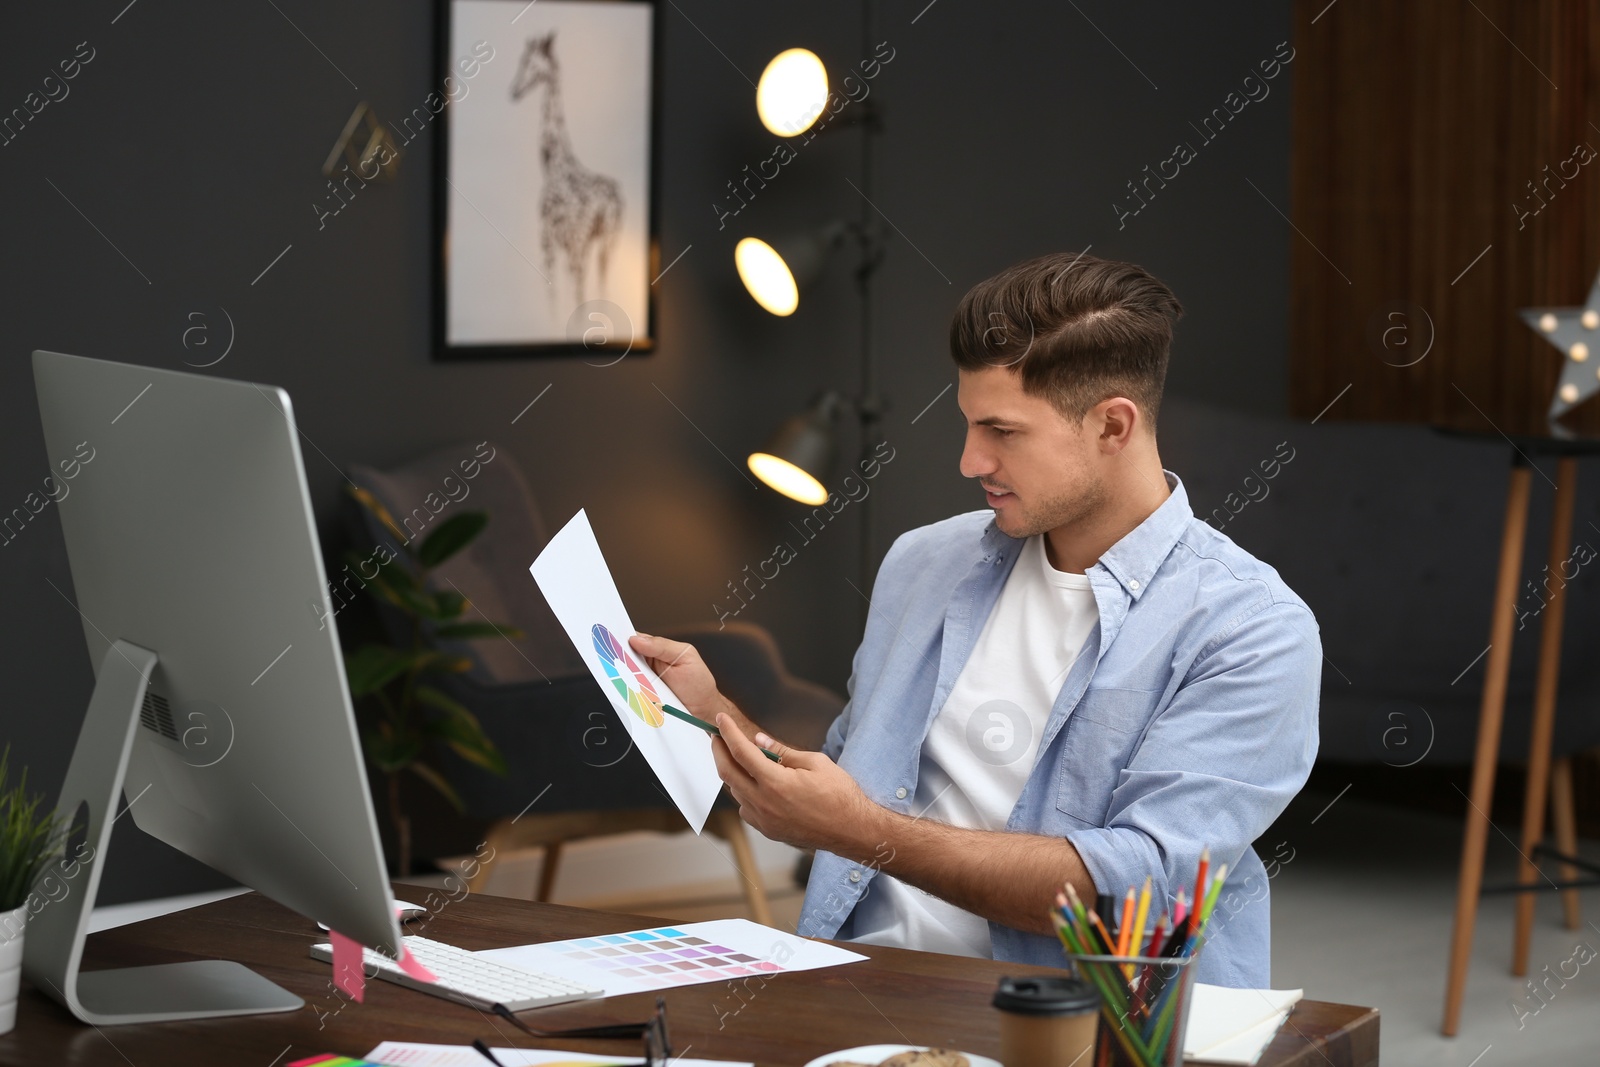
x: 632, y: 686
x: 721, y: 950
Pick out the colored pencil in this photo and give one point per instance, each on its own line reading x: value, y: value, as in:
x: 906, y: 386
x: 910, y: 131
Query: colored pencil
x: 1199, y: 888
x: 710, y: 728
x: 1125, y: 924
x: 1105, y: 906
x: 1142, y: 984
x: 1141, y: 1003
x: 1094, y: 919
x: 1214, y: 892
x: 1155, y: 937
x: 1114, y: 997
x: 1141, y: 915
x: 1135, y: 931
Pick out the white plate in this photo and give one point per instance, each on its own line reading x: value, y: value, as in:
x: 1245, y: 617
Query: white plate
x: 877, y: 1053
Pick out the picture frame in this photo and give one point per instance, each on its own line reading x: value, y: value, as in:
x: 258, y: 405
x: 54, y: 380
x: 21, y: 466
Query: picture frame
x: 546, y: 177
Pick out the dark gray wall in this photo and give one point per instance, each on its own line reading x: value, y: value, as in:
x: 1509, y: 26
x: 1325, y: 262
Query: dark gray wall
x: 186, y: 157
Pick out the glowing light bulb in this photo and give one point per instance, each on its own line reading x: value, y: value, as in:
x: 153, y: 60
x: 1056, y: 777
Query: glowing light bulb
x: 792, y: 92
x: 787, y: 479
x: 766, y: 276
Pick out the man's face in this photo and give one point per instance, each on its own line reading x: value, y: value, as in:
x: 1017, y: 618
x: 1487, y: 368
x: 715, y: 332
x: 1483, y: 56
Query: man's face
x: 1039, y: 471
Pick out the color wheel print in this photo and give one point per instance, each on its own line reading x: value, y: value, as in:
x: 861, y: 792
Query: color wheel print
x: 632, y: 685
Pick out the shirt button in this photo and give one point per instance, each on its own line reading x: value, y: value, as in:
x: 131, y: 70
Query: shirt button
x: 900, y: 793
x: 1133, y: 583
x: 855, y: 876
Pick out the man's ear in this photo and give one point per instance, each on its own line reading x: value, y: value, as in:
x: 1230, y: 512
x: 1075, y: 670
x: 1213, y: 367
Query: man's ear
x: 1115, y: 420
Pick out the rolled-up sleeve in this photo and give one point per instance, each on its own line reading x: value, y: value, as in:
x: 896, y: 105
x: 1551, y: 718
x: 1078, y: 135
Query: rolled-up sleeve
x: 1220, y: 762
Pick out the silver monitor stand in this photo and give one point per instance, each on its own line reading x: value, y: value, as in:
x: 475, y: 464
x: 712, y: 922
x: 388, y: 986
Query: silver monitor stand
x: 54, y: 941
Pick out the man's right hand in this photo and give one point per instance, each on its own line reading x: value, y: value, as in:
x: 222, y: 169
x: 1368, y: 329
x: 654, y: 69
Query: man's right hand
x: 680, y: 666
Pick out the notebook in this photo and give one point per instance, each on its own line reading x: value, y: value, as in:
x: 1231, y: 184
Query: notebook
x: 1234, y: 1026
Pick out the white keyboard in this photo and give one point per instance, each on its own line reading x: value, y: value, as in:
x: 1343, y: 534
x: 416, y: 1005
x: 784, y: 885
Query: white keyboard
x: 468, y: 978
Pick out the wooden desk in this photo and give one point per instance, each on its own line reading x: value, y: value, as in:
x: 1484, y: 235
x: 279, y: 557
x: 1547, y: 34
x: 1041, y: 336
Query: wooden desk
x: 896, y: 996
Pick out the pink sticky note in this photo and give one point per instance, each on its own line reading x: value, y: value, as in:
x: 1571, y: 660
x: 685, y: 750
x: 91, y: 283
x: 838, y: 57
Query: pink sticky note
x: 410, y: 965
x: 347, y: 973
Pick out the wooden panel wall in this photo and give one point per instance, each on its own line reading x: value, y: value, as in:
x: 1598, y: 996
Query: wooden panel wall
x: 1421, y: 131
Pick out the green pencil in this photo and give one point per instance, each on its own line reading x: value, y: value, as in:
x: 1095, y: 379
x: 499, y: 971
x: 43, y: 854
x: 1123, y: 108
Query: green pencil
x: 709, y: 728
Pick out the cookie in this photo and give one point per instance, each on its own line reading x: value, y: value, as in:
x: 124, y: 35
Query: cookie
x: 933, y: 1057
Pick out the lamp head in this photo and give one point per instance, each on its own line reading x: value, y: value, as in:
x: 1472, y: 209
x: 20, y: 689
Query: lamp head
x: 775, y: 273
x: 792, y: 92
x: 800, y: 454
x: 766, y: 276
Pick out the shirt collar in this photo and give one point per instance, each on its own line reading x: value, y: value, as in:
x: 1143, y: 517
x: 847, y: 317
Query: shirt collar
x: 1132, y: 561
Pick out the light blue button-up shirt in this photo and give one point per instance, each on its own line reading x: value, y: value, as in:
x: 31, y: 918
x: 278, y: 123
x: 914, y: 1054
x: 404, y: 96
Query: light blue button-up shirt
x: 1189, y: 718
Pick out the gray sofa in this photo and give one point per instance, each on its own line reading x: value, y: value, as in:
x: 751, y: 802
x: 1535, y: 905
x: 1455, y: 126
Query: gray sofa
x: 1392, y: 535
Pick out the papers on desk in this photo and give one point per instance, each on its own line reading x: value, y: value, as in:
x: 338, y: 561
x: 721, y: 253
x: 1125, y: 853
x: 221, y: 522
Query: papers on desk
x: 722, y: 950
x: 414, y: 1054
x: 574, y: 578
x: 1234, y: 1026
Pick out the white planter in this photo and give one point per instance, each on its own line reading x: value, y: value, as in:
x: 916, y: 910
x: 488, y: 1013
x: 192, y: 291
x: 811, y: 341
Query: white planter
x: 12, y: 926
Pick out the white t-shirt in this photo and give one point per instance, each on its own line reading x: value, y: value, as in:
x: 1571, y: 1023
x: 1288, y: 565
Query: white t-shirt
x: 982, y: 744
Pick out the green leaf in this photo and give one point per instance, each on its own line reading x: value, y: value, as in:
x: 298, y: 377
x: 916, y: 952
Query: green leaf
x: 489, y: 759
x: 449, y: 605
x: 419, y: 603
x: 382, y: 590
x: 371, y: 667
x: 460, y: 729
x: 31, y: 837
x: 469, y: 631
x: 369, y: 569
x: 392, y: 754
x: 438, y: 698
x: 372, y: 504
x: 435, y: 779
x: 451, y: 537
x: 438, y: 662
x: 435, y: 607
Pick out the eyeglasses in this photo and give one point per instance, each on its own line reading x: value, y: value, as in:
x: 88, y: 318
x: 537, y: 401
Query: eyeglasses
x: 657, y: 1042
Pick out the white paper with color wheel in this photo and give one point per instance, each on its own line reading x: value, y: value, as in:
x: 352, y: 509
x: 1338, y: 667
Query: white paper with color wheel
x: 573, y: 576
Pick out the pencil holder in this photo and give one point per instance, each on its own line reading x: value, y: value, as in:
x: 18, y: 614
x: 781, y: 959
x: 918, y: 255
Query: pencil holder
x: 1144, y: 1006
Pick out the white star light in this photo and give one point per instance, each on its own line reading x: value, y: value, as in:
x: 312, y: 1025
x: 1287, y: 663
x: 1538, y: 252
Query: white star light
x: 1576, y: 332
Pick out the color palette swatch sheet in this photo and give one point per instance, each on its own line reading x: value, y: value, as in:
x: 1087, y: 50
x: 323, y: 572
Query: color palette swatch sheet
x: 688, y: 954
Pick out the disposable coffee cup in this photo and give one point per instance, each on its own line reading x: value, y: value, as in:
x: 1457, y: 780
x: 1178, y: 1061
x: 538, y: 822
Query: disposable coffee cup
x: 1047, y: 1021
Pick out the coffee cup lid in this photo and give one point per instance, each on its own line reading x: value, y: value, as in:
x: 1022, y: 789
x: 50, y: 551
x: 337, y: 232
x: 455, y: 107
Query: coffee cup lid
x: 1046, y: 996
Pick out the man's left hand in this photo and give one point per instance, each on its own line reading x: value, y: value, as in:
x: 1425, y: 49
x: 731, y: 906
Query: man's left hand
x: 805, y: 800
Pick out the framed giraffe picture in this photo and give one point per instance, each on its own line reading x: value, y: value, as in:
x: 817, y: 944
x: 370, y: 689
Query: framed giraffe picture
x: 545, y: 213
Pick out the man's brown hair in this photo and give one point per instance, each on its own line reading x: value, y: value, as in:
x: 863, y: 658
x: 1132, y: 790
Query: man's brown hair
x: 1077, y: 328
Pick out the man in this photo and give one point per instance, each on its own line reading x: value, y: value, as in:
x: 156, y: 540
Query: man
x: 1082, y: 683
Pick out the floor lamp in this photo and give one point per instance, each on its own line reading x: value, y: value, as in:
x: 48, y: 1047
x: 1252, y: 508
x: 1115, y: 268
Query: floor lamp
x: 799, y: 456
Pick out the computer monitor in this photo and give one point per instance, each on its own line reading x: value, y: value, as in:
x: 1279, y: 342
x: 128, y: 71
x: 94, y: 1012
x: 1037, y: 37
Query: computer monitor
x: 220, y: 707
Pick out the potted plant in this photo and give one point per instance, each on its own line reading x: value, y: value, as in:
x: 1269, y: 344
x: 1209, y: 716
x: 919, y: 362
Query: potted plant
x: 413, y: 713
x: 30, y: 838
